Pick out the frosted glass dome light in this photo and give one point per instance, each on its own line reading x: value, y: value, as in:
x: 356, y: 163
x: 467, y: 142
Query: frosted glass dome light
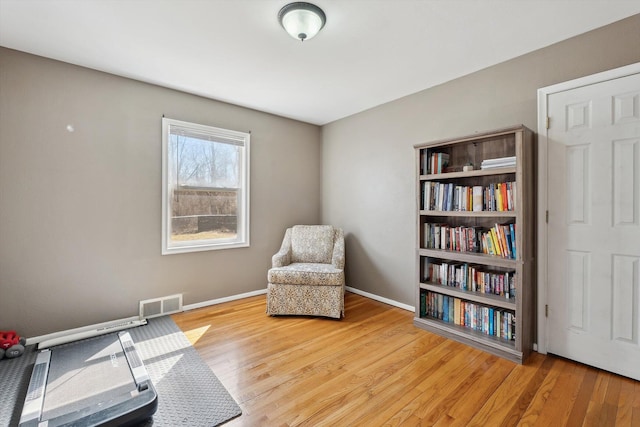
x: 302, y: 20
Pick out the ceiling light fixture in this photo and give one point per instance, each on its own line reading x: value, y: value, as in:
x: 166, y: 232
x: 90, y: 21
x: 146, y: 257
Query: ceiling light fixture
x: 302, y: 20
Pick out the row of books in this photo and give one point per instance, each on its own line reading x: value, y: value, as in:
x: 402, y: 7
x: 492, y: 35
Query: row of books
x: 470, y: 278
x: 488, y: 320
x: 434, y: 162
x: 439, y: 196
x: 499, y: 240
x: 501, y: 162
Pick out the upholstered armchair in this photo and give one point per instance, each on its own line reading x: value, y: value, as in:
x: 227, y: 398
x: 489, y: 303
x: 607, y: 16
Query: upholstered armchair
x: 307, y: 274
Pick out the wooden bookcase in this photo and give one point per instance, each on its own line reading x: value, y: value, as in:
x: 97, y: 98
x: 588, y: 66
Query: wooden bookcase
x: 484, y: 312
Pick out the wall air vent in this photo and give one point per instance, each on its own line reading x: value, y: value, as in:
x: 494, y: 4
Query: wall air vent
x: 160, y: 306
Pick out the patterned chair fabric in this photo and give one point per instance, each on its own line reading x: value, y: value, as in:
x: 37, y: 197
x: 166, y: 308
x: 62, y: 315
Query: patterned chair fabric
x: 307, y: 274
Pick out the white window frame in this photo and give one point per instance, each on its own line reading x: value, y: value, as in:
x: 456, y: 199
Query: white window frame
x: 242, y: 239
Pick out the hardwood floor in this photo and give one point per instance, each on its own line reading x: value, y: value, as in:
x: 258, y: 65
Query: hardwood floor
x: 374, y: 368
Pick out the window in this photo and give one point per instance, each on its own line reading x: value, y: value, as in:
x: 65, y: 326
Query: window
x: 205, y: 188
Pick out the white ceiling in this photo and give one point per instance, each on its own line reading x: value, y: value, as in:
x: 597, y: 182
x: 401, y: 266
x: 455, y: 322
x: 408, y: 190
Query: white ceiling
x: 370, y: 51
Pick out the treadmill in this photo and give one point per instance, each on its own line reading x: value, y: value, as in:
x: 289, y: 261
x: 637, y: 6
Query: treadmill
x: 99, y: 381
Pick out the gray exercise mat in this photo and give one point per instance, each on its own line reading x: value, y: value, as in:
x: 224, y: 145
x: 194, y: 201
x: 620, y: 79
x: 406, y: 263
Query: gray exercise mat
x: 189, y: 394
x: 14, y: 380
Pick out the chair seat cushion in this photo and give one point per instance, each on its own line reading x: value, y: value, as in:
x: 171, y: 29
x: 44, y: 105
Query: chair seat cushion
x: 302, y: 273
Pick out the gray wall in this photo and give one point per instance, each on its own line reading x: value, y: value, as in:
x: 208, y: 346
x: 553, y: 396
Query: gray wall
x: 80, y: 212
x: 368, y: 173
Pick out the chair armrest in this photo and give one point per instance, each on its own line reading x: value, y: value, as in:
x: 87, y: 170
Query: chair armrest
x: 338, y: 250
x: 283, y: 257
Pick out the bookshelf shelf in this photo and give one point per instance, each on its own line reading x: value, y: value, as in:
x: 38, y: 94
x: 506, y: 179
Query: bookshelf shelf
x: 467, y: 174
x: 477, y: 339
x: 479, y: 214
x: 470, y: 257
x: 496, y: 242
x: 486, y: 299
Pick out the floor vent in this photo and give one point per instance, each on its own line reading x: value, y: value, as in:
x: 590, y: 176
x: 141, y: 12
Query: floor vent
x: 160, y: 306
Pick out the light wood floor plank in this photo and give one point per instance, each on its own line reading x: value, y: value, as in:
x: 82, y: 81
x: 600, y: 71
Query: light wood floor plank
x: 579, y: 409
x: 382, y: 390
x: 636, y: 406
x: 374, y: 368
x: 625, y: 409
x: 509, y: 395
x: 531, y: 415
x: 478, y: 392
x: 428, y: 387
x: 395, y: 398
x: 562, y: 396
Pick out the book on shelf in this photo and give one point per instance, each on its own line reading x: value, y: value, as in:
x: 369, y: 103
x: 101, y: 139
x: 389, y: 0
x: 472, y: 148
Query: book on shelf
x: 497, y: 322
x: 512, y: 233
x: 445, y: 309
x: 424, y: 162
x: 476, y: 203
x: 500, y: 162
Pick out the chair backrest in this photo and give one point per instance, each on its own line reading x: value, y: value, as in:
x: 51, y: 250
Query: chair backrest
x: 312, y: 243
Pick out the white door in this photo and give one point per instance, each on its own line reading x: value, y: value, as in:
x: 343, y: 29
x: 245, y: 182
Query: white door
x: 593, y: 232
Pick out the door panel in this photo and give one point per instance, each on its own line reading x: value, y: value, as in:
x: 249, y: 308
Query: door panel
x: 593, y: 232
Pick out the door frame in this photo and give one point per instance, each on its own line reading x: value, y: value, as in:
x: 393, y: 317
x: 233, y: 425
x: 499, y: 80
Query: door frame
x: 543, y: 99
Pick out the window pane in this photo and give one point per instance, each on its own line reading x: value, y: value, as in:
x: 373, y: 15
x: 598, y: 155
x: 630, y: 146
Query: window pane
x: 203, y: 163
x: 204, y: 214
x: 206, y: 183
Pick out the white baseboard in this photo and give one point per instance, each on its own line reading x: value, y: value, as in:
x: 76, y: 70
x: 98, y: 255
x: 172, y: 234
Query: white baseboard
x: 381, y: 299
x: 221, y: 300
x: 264, y: 291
